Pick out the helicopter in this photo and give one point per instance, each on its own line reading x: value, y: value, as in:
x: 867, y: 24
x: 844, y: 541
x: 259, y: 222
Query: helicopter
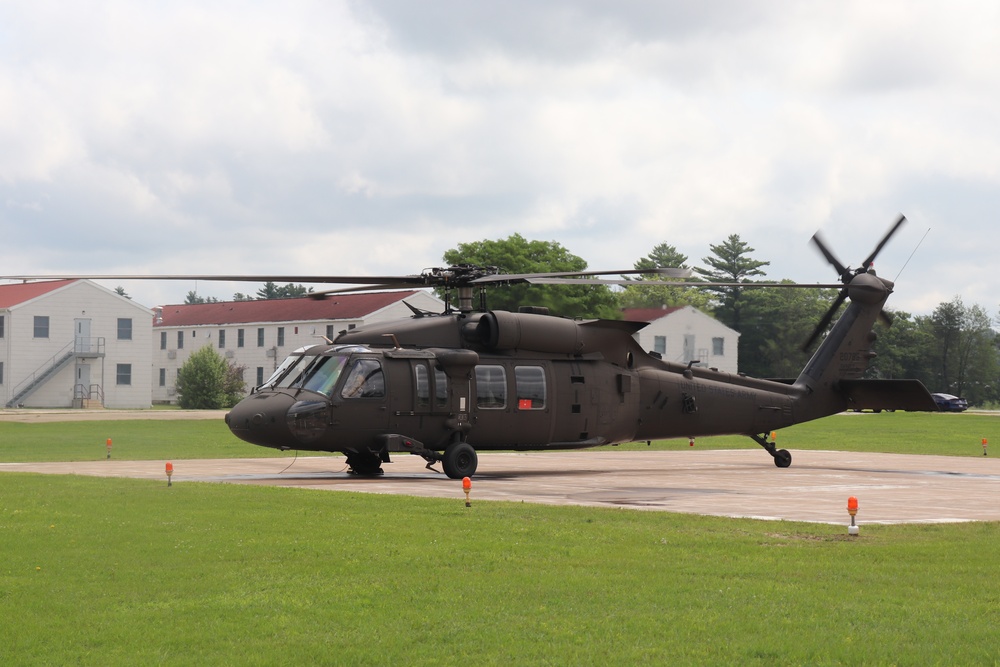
x: 445, y: 386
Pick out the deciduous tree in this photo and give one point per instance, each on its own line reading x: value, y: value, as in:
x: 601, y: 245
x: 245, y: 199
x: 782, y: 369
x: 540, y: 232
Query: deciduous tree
x: 516, y: 254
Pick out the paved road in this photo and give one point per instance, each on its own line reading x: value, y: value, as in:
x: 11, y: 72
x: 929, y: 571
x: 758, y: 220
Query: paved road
x: 890, y: 488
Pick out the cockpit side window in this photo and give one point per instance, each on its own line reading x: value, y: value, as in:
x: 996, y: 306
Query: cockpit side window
x: 364, y: 380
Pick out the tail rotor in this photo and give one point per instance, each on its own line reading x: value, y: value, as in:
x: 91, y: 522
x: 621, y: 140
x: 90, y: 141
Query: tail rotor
x: 847, y: 275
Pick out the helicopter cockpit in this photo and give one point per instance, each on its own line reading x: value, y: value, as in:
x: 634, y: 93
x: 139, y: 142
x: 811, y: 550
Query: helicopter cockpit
x: 290, y: 408
x: 317, y: 371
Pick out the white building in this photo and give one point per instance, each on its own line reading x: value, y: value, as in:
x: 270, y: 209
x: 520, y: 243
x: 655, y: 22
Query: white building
x: 260, y: 334
x: 73, y: 343
x: 684, y: 334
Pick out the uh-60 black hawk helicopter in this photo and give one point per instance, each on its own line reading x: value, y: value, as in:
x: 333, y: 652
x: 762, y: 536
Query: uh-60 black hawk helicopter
x: 443, y: 386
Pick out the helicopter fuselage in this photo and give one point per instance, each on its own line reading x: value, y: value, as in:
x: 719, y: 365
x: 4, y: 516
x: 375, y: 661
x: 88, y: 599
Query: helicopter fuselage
x: 495, y: 381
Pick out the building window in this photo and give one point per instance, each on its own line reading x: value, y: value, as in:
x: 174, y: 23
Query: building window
x: 491, y: 387
x: 660, y: 345
x: 222, y: 339
x: 719, y: 346
x: 1, y: 326
x: 41, y: 326
x: 163, y: 377
x: 281, y: 336
x: 529, y: 381
x: 329, y: 331
x: 163, y: 340
x: 260, y: 376
x: 123, y: 374
x: 180, y: 340
x: 124, y: 328
x: 240, y: 338
x: 260, y: 336
x: 1, y: 372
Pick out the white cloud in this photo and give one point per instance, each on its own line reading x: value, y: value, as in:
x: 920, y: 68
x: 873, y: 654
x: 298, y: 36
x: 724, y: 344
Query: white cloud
x: 370, y: 137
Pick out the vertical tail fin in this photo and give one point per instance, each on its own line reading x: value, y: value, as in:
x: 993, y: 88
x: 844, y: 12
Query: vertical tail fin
x: 847, y: 350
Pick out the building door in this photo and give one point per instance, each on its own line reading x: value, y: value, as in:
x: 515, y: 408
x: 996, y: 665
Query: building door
x: 82, y: 388
x: 82, y: 339
x: 689, y: 348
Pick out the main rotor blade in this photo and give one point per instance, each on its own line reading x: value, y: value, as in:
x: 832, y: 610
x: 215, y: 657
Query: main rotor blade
x: 346, y: 280
x: 825, y: 322
x: 885, y: 239
x: 664, y: 283
x: 530, y: 277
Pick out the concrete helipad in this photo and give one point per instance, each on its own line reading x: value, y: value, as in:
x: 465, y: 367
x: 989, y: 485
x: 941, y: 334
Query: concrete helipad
x: 741, y: 483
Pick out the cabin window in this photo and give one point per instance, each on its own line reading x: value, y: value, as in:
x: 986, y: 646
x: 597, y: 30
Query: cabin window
x: 529, y: 382
x: 365, y: 380
x: 423, y: 381
x: 124, y: 328
x: 491, y: 387
x: 719, y: 346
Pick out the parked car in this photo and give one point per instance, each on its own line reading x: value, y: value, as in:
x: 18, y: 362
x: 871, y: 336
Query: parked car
x: 949, y: 403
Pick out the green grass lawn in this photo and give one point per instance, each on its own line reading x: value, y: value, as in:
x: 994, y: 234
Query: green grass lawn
x: 128, y: 572
x: 138, y: 439
x: 900, y: 432
x: 100, y: 571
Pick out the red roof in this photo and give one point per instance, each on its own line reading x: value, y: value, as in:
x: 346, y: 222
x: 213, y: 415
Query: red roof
x: 334, y: 307
x: 18, y: 293
x: 647, y: 314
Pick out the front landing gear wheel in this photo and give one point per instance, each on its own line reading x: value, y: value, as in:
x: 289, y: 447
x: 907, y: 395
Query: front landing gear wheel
x: 782, y: 458
x: 460, y: 460
x: 362, y: 464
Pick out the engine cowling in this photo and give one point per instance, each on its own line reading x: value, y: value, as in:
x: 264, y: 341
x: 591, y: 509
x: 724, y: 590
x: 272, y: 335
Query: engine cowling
x: 502, y: 330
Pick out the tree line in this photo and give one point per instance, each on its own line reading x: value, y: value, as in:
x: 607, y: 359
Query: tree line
x: 954, y: 350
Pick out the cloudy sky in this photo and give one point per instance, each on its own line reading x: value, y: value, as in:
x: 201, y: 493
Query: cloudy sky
x: 370, y: 136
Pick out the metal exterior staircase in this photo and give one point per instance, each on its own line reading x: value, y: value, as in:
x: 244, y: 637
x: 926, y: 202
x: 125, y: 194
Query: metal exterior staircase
x: 80, y: 348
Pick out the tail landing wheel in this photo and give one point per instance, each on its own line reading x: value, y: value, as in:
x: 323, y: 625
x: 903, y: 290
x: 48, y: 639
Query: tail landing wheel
x: 782, y: 457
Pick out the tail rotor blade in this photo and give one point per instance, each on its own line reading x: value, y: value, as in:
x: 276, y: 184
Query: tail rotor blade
x: 885, y: 239
x: 841, y: 269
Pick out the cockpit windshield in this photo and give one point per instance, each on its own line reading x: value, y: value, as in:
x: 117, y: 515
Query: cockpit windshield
x: 311, y: 372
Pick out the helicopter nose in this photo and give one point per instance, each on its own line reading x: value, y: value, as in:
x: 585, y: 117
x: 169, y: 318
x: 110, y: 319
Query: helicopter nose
x: 261, y: 419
